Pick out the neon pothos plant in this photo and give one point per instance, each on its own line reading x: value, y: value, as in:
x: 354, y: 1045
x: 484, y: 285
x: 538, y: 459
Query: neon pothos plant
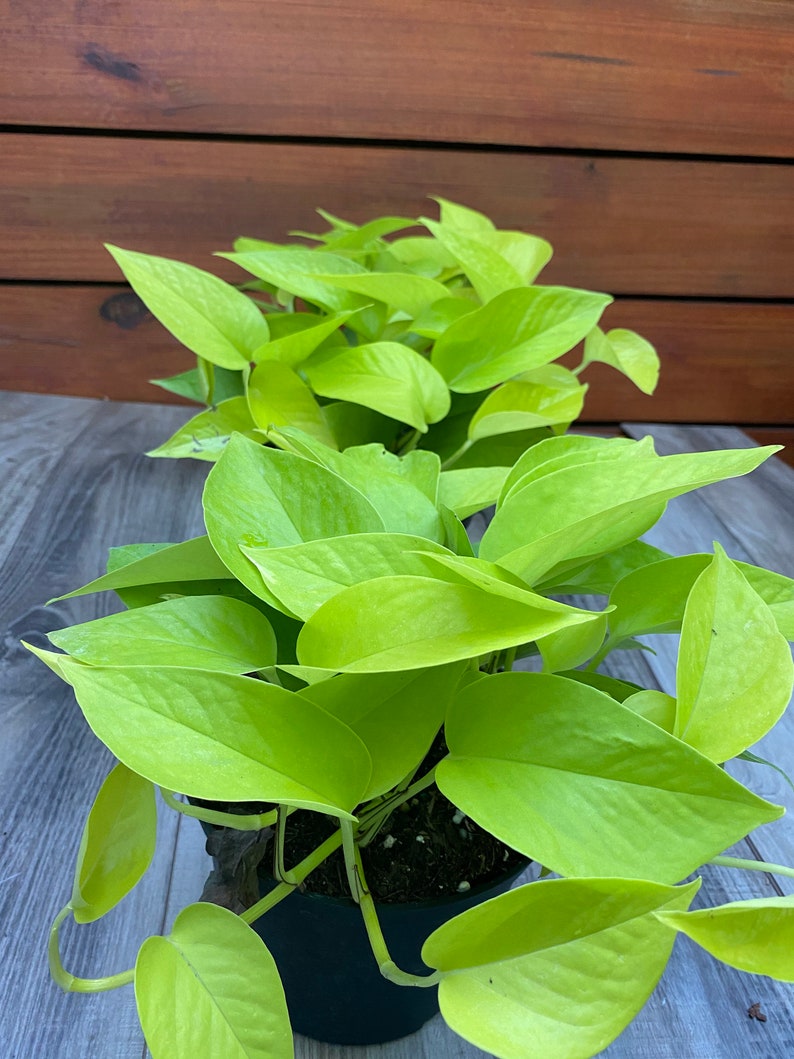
x: 441, y: 338
x: 336, y: 616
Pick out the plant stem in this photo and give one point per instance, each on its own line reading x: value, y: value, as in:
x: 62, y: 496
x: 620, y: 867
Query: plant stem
x: 371, y: 823
x: 509, y: 659
x: 349, y: 848
x: 410, y: 442
x: 215, y: 816
x: 753, y: 865
x: 71, y: 983
x: 298, y: 873
x: 279, y: 867
x: 388, y: 968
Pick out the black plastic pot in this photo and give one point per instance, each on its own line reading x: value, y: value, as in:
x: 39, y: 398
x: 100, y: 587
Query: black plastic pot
x: 335, y: 992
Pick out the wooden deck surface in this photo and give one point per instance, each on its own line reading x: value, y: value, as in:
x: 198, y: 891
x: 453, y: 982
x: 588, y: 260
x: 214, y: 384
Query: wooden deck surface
x: 73, y: 483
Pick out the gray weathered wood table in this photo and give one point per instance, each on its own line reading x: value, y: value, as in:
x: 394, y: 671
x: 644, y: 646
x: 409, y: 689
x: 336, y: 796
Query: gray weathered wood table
x: 74, y: 482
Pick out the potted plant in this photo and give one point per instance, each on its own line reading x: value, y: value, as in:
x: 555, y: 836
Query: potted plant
x: 329, y: 679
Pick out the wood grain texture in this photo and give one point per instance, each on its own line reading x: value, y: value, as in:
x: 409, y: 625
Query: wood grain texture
x: 74, y: 483
x: 100, y: 342
x: 630, y: 226
x: 665, y: 75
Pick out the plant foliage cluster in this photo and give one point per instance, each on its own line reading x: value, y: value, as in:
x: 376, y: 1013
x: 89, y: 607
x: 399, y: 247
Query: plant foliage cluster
x: 337, y: 615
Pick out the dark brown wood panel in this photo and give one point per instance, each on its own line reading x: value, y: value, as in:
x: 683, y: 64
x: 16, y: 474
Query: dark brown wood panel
x: 661, y: 75
x: 626, y: 225
x: 722, y: 362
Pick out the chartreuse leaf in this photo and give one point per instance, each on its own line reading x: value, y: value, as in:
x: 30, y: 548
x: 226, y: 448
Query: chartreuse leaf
x: 519, y: 330
x: 470, y: 489
x: 291, y: 269
x: 756, y: 936
x: 654, y: 706
x: 552, y: 454
x: 222, y: 737
x: 306, y: 334
x: 653, y: 598
x: 528, y: 254
x: 367, y: 235
x: 277, y: 396
x: 304, y: 576
x: 437, y: 621
x: 436, y: 318
x: 387, y: 376
x: 257, y: 495
x: 572, y: 779
x: 211, y: 988
x: 405, y: 291
x: 202, y: 632
x: 396, y: 715
x: 206, y: 435
x: 627, y: 351
x: 422, y: 254
x: 619, y: 690
x: 489, y: 273
x: 117, y: 844
x: 192, y: 560
x: 735, y: 672
x: 206, y: 314
x: 601, y: 575
x: 586, y: 510
x: 546, y: 396
x: 569, y: 648
x: 463, y: 218
x: 187, y: 384
x: 565, y: 964
x: 402, y: 489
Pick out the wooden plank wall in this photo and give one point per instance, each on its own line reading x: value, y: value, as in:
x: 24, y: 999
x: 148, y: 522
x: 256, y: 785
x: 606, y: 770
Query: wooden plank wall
x: 651, y: 143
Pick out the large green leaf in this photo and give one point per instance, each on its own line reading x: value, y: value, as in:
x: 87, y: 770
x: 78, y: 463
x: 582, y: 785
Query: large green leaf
x: 192, y: 560
x: 117, y: 844
x: 547, y: 396
x: 221, y: 737
x: 408, y: 622
x: 735, y: 673
x: 291, y: 269
x: 387, y: 376
x: 200, y: 632
x: 756, y: 936
x: 652, y: 598
x: 277, y: 396
x: 256, y: 495
x: 206, y: 435
x: 207, y: 315
x: 569, y: 450
x: 586, y: 510
x: 519, y: 330
x: 305, y: 576
x: 565, y: 964
x: 626, y: 351
x: 211, y: 989
x: 583, y: 785
x: 396, y: 715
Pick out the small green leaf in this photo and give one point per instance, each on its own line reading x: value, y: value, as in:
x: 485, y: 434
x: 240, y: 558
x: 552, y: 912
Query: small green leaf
x: 654, y: 706
x: 519, y: 330
x: 211, y: 988
x: 756, y: 936
x: 277, y: 396
x: 563, y: 963
x: 291, y: 269
x: 204, y: 632
x: 628, y: 352
x: 735, y: 670
x: 187, y: 384
x: 207, y: 315
x: 449, y: 620
x: 305, y: 335
x: 470, y: 489
x: 547, y: 396
x: 569, y: 648
x: 386, y: 376
x: 400, y: 290
x: 601, y: 575
x: 221, y: 737
x: 434, y: 320
x: 661, y: 809
x: 207, y: 434
x: 396, y: 715
x: 117, y: 844
x: 463, y: 218
x: 489, y: 272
